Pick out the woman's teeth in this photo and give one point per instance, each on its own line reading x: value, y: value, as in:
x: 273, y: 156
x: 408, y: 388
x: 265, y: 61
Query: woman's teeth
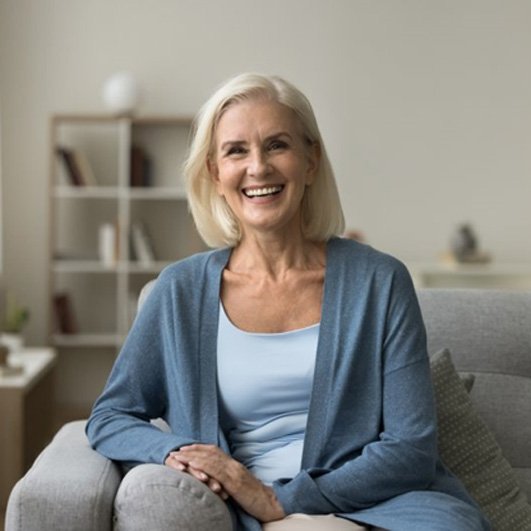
x: 260, y: 192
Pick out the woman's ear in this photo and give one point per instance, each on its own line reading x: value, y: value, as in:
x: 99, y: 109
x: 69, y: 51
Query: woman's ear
x: 212, y: 168
x: 214, y: 173
x: 314, y: 158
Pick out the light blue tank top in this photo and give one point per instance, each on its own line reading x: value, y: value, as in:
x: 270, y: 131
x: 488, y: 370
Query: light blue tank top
x: 264, y: 383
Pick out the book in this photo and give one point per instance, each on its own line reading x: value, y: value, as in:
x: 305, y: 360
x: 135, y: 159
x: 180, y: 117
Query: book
x: 140, y: 168
x: 142, y: 246
x: 71, y: 166
x: 64, y: 314
x: 84, y: 168
x: 107, y: 244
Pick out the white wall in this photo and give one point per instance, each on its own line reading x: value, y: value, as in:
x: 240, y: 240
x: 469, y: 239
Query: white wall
x: 425, y: 105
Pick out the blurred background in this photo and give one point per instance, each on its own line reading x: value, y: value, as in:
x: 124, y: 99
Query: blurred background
x: 424, y: 106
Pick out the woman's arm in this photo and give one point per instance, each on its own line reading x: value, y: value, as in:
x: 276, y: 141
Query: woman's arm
x: 403, y: 459
x: 136, y: 392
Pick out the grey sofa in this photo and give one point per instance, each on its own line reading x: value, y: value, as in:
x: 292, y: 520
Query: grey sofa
x: 71, y: 487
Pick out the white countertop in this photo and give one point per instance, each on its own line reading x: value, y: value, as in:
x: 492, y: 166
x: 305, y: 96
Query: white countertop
x: 36, y: 362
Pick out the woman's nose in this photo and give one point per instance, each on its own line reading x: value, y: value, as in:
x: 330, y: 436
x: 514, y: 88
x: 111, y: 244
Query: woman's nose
x: 258, y: 164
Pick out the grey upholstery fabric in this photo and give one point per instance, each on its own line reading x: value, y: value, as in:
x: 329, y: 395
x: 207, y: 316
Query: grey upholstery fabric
x: 155, y: 497
x: 489, y: 333
x: 68, y: 487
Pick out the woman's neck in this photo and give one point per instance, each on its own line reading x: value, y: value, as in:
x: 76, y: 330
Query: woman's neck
x: 275, y: 256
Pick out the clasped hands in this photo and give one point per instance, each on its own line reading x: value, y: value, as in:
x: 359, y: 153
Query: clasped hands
x: 227, y: 477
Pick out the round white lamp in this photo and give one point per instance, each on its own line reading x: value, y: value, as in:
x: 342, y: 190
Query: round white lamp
x: 121, y: 93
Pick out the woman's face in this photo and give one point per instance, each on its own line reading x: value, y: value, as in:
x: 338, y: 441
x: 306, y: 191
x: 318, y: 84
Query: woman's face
x: 261, y: 165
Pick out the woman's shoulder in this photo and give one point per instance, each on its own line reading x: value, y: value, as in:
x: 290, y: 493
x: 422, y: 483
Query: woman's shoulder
x: 195, y: 265
x: 360, y: 268
x: 188, y: 276
x: 353, y: 253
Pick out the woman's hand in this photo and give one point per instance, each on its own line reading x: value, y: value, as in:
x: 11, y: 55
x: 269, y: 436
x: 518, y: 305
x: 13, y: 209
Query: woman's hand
x: 212, y: 484
x: 234, y: 479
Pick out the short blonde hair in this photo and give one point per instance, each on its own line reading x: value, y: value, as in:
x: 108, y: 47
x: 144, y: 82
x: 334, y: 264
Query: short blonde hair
x: 322, y: 215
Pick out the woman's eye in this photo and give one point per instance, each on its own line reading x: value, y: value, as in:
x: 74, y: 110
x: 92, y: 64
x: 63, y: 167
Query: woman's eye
x: 278, y: 144
x: 235, y: 150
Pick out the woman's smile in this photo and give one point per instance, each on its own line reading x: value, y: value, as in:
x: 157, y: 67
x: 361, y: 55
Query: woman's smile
x: 263, y: 191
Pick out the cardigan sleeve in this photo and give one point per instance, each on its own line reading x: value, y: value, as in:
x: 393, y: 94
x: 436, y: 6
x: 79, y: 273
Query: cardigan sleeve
x: 404, y: 456
x: 137, y: 391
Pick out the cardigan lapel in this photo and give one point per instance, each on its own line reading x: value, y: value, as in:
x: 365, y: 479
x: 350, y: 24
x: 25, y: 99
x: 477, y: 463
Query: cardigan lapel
x: 317, y: 427
x: 207, y: 346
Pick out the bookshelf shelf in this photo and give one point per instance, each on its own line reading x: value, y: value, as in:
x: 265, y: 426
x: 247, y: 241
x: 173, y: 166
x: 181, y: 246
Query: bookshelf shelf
x: 83, y: 266
x: 86, y: 192
x: 492, y: 275
x: 95, y: 266
x: 119, y: 215
x: 159, y: 193
x: 87, y: 340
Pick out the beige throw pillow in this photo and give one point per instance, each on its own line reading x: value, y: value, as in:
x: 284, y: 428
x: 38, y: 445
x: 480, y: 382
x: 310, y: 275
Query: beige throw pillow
x: 469, y: 450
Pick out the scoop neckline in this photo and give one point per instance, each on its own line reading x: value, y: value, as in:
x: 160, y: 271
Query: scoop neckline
x: 266, y: 334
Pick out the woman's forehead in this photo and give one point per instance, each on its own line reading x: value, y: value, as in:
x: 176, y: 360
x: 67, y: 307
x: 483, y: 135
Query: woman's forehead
x: 243, y: 117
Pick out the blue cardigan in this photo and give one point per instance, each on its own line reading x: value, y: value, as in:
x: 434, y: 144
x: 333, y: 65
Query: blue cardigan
x: 370, y: 449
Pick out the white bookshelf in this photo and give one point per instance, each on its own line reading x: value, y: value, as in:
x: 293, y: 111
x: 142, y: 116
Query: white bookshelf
x: 102, y: 295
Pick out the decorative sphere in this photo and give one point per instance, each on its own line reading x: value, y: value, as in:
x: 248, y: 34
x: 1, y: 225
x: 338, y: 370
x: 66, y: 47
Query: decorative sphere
x: 121, y: 93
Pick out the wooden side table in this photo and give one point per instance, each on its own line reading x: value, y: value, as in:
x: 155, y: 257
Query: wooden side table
x: 26, y: 415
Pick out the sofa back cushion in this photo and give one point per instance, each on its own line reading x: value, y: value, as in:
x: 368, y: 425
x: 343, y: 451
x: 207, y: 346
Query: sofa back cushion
x: 489, y: 335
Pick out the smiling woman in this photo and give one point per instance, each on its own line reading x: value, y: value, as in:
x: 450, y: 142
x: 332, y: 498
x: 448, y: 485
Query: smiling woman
x: 291, y: 366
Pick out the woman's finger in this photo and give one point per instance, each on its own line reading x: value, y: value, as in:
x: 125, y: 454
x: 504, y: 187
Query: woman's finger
x: 216, y: 488
x: 174, y: 463
x: 198, y: 474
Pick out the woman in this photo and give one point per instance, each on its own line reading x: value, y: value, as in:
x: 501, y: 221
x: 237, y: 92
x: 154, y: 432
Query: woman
x: 290, y: 365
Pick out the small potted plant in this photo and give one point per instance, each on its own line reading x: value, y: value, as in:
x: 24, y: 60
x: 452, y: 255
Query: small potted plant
x: 16, y: 317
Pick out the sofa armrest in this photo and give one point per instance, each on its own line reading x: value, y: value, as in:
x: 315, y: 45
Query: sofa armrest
x: 70, y: 486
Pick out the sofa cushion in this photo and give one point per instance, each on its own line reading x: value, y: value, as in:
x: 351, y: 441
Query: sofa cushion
x: 488, y: 334
x: 468, y: 381
x: 153, y: 496
x: 470, y: 451
x: 69, y: 486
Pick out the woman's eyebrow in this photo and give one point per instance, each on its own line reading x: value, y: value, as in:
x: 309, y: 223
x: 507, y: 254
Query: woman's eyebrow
x: 231, y: 143
x: 276, y: 135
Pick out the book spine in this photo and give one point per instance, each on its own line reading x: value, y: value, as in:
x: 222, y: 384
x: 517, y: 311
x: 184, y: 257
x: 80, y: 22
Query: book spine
x: 65, y: 320
x: 71, y: 167
x: 142, y: 247
x: 84, y: 168
x: 107, y: 244
x: 137, y: 177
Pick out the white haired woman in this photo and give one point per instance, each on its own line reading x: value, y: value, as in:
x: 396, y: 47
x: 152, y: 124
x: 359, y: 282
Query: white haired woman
x: 290, y: 364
